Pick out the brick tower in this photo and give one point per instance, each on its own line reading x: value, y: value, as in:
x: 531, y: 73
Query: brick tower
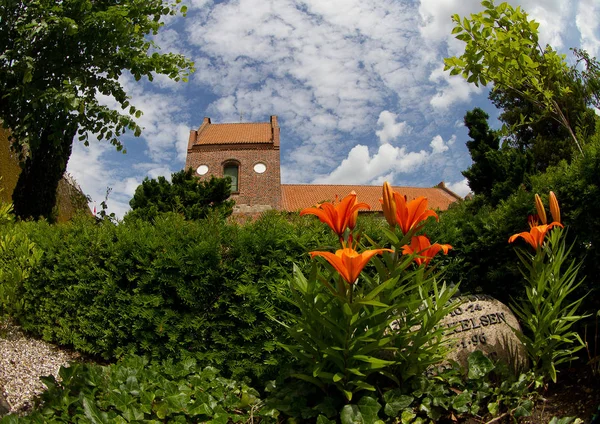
x: 246, y: 152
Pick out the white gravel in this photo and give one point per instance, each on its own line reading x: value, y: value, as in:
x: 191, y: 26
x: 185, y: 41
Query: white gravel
x: 23, y: 360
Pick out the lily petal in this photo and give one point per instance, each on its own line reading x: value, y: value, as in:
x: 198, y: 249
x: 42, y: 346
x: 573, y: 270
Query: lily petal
x: 348, y: 262
x: 421, y: 246
x: 535, y: 236
x: 339, y: 216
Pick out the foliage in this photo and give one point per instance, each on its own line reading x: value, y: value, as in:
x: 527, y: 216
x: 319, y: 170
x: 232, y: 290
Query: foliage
x: 56, y: 57
x: 496, y: 172
x: 18, y: 255
x: 502, y: 47
x: 349, y: 331
x: 577, y: 185
x: 184, y: 194
x: 478, y: 233
x: 478, y: 229
x: 169, y: 289
x: 546, y: 312
x: 484, y: 389
x: 136, y: 390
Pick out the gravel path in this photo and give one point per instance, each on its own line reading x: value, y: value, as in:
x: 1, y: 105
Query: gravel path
x: 23, y: 361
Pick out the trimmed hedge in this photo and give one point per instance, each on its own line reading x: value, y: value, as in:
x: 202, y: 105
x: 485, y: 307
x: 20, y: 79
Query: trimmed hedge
x: 170, y: 289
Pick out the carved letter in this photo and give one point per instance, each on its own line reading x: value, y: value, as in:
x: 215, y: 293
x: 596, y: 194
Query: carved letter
x: 485, y: 321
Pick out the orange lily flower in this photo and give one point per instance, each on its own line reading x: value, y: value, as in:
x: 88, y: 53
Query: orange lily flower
x: 348, y: 262
x: 409, y: 215
x: 340, y: 216
x: 535, y: 236
x: 422, y: 246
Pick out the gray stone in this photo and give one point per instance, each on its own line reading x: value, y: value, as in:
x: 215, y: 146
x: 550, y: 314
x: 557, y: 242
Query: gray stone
x: 486, y: 324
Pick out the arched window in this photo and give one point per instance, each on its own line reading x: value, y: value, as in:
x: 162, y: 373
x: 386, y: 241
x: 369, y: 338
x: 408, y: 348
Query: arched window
x: 232, y: 170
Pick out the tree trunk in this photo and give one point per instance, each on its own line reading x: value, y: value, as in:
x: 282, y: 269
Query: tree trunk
x: 35, y: 193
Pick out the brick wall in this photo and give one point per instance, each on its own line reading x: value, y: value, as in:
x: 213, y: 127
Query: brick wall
x: 255, y: 191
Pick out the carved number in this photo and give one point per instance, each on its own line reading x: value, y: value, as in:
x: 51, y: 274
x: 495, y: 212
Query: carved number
x: 474, y: 307
x: 475, y: 340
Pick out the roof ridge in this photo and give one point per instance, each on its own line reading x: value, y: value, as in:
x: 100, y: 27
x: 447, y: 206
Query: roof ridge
x: 242, y: 123
x: 356, y: 185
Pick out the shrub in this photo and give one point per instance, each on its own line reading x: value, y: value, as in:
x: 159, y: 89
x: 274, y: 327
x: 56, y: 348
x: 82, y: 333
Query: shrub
x: 174, y: 288
x: 18, y: 255
x: 136, y: 390
x: 482, y: 261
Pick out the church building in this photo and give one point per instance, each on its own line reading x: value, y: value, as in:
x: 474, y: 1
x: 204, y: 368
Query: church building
x: 249, y: 154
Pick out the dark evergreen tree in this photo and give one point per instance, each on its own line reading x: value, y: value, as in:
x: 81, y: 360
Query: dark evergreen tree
x: 185, y: 194
x: 496, y: 172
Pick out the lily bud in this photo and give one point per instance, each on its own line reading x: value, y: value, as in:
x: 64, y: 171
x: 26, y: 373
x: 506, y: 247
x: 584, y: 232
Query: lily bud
x: 554, y: 209
x: 388, y: 204
x: 353, y: 215
x: 540, y: 209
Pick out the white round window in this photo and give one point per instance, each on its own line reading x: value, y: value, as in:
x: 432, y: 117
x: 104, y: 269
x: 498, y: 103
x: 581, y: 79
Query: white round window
x: 202, y: 169
x: 259, y: 168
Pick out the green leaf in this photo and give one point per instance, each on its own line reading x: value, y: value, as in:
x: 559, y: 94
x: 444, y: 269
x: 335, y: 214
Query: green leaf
x: 493, y: 407
x: 92, y: 413
x: 369, y: 409
x: 524, y: 409
x: 461, y: 402
x: 321, y: 419
x: 396, y: 402
x: 479, y: 365
x: 407, y: 417
x: 351, y: 415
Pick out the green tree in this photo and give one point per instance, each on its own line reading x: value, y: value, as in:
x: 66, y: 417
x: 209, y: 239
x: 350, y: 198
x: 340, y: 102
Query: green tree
x: 56, y: 58
x: 502, y: 47
x: 496, y: 172
x: 185, y: 194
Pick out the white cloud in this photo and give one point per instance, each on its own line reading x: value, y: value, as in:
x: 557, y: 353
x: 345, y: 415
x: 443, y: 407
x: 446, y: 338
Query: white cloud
x: 553, y: 16
x: 362, y: 168
x: 436, y: 16
x: 460, y: 187
x: 588, y: 25
x: 328, y: 69
x: 438, y: 145
x: 324, y: 67
x: 451, y: 89
x: 95, y: 175
x: 164, y: 137
x: 391, y: 129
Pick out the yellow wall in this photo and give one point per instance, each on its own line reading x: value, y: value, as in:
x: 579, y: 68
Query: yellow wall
x: 9, y: 168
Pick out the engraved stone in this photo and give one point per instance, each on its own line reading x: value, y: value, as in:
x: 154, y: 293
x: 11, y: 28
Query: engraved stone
x: 484, y: 323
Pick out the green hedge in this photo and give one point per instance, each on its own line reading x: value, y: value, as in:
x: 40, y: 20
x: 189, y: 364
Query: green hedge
x: 170, y: 289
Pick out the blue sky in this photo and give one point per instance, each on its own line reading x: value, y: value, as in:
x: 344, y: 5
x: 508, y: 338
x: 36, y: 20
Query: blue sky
x: 358, y: 87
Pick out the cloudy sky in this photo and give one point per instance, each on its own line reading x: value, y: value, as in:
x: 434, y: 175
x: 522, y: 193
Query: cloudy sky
x: 358, y: 87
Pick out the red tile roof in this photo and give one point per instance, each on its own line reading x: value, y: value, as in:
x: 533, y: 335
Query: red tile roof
x: 235, y: 133
x: 299, y: 196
